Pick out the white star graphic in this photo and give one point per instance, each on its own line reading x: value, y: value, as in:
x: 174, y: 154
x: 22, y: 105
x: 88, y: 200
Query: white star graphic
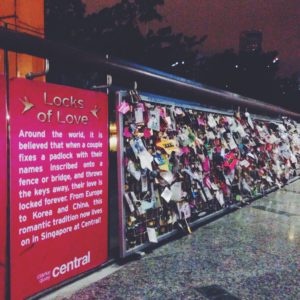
x: 27, y: 105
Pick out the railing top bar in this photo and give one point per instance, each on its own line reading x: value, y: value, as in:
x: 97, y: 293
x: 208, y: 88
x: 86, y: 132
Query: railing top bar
x: 36, y: 46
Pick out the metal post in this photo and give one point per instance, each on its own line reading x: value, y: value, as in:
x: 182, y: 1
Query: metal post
x: 121, y: 180
x: 7, y: 263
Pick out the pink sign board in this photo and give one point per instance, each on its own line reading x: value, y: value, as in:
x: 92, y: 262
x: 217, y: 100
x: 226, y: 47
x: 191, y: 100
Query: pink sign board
x: 3, y: 187
x: 59, y: 171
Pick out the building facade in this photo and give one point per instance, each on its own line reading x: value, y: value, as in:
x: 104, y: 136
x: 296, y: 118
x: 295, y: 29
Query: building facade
x: 24, y: 16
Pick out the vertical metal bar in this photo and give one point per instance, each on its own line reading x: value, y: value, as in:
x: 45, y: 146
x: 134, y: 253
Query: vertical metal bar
x: 121, y: 180
x: 109, y: 191
x: 7, y: 263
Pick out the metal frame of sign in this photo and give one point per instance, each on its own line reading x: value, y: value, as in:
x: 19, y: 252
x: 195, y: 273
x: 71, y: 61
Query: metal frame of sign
x: 4, y: 190
x: 100, y: 234
x: 121, y: 181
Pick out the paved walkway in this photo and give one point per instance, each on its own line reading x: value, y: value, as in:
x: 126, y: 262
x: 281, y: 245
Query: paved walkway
x: 253, y: 253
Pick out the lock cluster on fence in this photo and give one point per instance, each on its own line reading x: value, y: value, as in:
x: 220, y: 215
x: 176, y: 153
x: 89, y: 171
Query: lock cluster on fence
x: 181, y: 164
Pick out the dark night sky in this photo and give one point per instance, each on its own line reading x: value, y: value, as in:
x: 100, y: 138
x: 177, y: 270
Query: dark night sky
x: 223, y: 20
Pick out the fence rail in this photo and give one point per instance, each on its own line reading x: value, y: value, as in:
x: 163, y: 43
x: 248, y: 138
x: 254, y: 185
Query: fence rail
x: 153, y: 79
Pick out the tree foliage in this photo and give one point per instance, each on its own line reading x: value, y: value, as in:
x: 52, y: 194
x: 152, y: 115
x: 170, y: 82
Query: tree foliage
x: 119, y: 32
x: 254, y: 75
x: 64, y: 20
